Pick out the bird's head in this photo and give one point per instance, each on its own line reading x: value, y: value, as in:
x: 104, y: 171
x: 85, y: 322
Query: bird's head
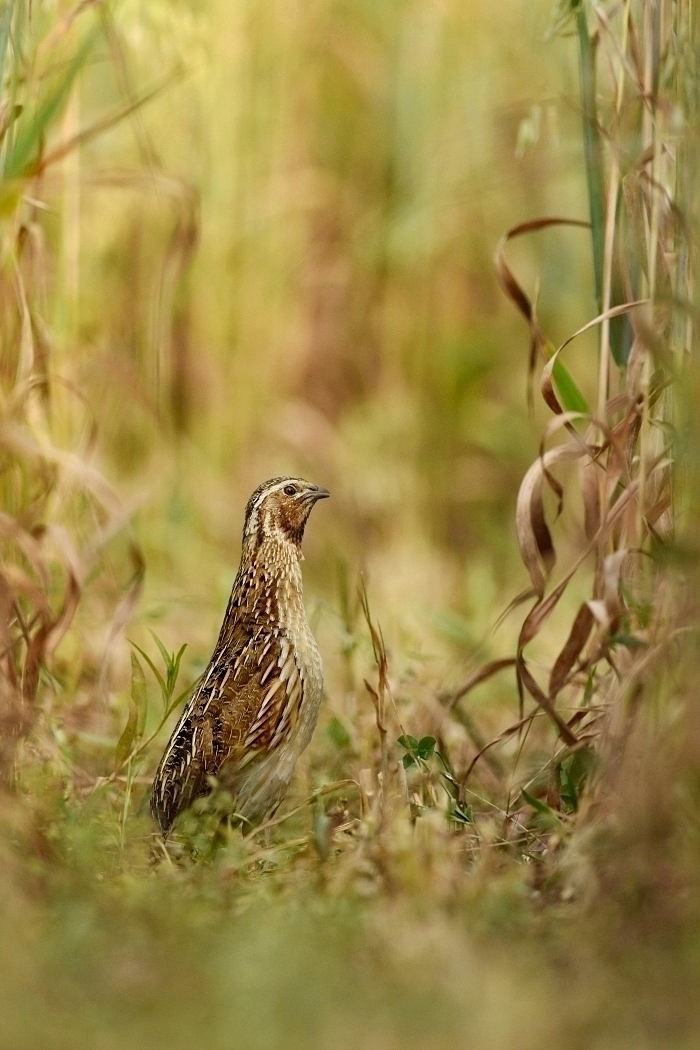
x: 278, y: 511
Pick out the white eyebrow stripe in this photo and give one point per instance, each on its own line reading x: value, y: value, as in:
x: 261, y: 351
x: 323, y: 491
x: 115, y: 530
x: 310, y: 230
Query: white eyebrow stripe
x: 259, y: 500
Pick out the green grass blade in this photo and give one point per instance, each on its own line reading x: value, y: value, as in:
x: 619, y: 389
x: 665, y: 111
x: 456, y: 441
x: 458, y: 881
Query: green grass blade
x: 156, y: 672
x: 592, y: 149
x: 181, y: 696
x: 33, y: 127
x: 620, y: 327
x: 139, y: 694
x: 551, y: 818
x: 5, y: 20
x: 167, y: 658
x: 571, y: 398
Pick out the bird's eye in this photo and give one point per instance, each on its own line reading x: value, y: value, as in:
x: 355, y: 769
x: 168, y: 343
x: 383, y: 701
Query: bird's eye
x: 290, y: 490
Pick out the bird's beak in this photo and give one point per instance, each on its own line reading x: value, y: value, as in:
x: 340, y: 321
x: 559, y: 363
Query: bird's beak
x: 316, y: 493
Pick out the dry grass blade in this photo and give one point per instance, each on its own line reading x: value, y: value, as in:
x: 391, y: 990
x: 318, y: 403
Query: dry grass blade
x: 580, y: 633
x: 20, y: 441
x: 624, y: 485
x: 534, y: 538
x: 548, y: 372
x: 327, y: 789
x: 541, y: 698
x: 589, y: 470
x: 515, y: 603
x: 62, y: 27
x: 510, y: 731
x: 482, y: 674
x: 379, y: 695
x: 510, y: 285
x: 516, y: 293
x: 110, y: 120
x: 544, y: 607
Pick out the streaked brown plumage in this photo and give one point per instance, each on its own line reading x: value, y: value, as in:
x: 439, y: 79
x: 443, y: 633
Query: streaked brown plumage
x: 257, y: 705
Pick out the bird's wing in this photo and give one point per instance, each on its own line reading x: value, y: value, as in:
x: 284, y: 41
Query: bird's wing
x: 248, y: 703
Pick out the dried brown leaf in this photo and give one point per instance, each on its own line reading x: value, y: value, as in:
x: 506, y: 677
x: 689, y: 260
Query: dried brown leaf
x: 589, y: 474
x: 568, y: 656
x: 516, y: 292
x: 510, y: 731
x: 547, y: 381
x: 482, y: 674
x: 534, y: 537
x: 543, y: 701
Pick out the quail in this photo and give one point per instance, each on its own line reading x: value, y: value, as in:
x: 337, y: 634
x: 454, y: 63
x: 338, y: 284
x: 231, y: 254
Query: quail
x: 257, y: 704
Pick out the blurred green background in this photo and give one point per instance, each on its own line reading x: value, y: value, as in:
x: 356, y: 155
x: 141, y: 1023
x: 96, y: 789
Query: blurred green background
x: 283, y: 264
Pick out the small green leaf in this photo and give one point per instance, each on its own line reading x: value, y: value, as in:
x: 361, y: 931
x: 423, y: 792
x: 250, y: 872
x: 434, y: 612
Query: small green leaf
x: 621, y: 334
x: 408, y: 761
x: 580, y: 766
x: 408, y: 742
x: 540, y: 807
x: 126, y: 740
x: 186, y: 692
x: 32, y: 126
x: 659, y: 382
x: 569, y: 394
x: 446, y: 775
x: 629, y: 640
x: 338, y: 733
x: 425, y: 747
x: 167, y: 658
x: 156, y: 672
x: 462, y: 816
x: 136, y: 722
x: 569, y: 793
x: 590, y: 686
x: 139, y: 694
x: 172, y: 678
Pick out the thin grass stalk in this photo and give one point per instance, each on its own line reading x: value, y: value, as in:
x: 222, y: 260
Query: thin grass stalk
x: 683, y: 320
x: 610, y: 229
x: 379, y: 696
x: 592, y: 148
x: 652, y: 140
x: 71, y: 212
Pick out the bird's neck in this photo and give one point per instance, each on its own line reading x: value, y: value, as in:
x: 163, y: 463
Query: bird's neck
x: 269, y: 583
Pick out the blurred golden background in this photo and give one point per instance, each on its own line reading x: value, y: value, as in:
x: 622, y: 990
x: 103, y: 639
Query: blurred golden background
x: 284, y: 264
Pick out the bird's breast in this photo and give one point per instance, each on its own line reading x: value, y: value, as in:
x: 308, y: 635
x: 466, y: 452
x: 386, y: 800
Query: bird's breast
x: 309, y: 663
